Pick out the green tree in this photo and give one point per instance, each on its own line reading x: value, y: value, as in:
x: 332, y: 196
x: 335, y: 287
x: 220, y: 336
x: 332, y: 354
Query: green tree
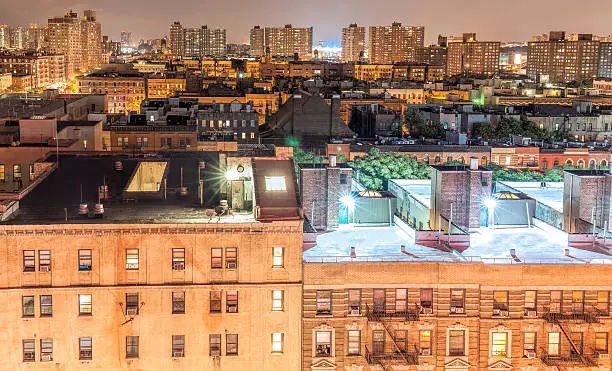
x: 482, y: 130
x: 416, y: 126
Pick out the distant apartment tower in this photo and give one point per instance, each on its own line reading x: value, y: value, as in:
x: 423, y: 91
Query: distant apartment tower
x: 177, y: 41
x: 126, y: 38
x: 395, y: 43
x: 4, y: 36
x: 19, y: 38
x: 258, y: 42
x: 605, y: 60
x: 80, y: 40
x: 561, y: 60
x: 197, y: 42
x: 472, y: 57
x: 434, y: 55
x: 36, y: 38
x: 285, y: 41
x: 353, y: 43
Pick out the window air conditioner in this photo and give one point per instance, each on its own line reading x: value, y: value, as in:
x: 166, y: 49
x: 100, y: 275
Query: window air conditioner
x: 531, y: 313
x: 132, y: 311
x: 355, y: 312
x: 427, y: 310
x: 232, y: 310
x: 426, y: 352
x: 504, y: 313
x: 178, y: 266
x: 530, y: 354
x: 604, y: 356
x: 231, y: 265
x: 46, y: 357
x: 45, y: 268
x: 177, y: 354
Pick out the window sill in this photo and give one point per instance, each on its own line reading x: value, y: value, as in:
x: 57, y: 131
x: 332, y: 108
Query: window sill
x: 231, y: 355
x: 85, y: 315
x: 277, y: 353
x: 28, y: 317
x: 46, y: 315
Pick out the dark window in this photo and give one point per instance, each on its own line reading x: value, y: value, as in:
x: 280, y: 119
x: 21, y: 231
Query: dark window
x: 178, y: 345
x: 427, y: 299
x: 231, y: 258
x: 131, y: 347
x: 231, y: 344
x: 378, y: 342
x: 215, y: 301
x: 379, y: 300
x: 216, y: 258
x: 27, y: 306
x: 214, y: 344
x: 85, y: 348
x: 500, y: 302
x: 131, y: 303
x: 46, y: 305
x: 29, y: 260
x: 85, y: 260
x: 178, y: 302
x: 354, y: 296
x: 343, y: 179
x: 456, y: 343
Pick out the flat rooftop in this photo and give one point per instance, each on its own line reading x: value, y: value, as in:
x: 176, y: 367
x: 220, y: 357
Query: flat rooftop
x: 62, y: 189
x: 539, y: 244
x: 549, y: 195
x: 419, y: 189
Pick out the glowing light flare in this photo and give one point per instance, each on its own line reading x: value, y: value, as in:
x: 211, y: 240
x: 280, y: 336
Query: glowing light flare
x: 348, y: 201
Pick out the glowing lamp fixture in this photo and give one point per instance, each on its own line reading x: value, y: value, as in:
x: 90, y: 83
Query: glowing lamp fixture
x: 348, y: 201
x: 490, y: 203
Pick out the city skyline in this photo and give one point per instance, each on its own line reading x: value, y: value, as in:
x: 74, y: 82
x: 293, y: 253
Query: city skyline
x: 328, y: 19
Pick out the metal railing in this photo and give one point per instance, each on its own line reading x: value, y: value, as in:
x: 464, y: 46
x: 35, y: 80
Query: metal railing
x: 571, y: 359
x: 590, y: 316
x: 382, y: 354
x: 406, y: 315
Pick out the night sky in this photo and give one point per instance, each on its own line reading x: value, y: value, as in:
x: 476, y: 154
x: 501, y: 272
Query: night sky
x: 513, y: 20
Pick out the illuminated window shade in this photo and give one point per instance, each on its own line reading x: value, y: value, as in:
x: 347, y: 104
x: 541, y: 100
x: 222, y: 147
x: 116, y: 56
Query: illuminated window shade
x: 276, y: 183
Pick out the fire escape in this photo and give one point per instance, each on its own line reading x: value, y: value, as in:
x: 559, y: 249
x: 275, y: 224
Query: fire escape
x: 387, y: 353
x: 579, y: 355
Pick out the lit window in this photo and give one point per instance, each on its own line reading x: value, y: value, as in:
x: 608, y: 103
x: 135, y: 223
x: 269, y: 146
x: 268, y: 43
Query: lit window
x: 276, y: 183
x: 2, y: 174
x: 354, y: 342
x: 425, y: 342
x: 85, y: 304
x: 530, y: 301
x: 277, y: 342
x: 499, y: 346
x: 277, y: 300
x: 131, y: 259
x: 278, y: 260
x: 85, y: 260
x: 553, y: 343
x: 16, y: 172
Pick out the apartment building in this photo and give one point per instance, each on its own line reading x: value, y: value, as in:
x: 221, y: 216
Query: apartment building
x: 561, y: 60
x: 605, y: 60
x: 165, y: 86
x: 46, y: 70
x: 78, y: 39
x: 395, y: 43
x: 197, y: 42
x: 124, y: 87
x: 353, y: 43
x: 285, y: 41
x: 472, y: 57
x: 127, y: 292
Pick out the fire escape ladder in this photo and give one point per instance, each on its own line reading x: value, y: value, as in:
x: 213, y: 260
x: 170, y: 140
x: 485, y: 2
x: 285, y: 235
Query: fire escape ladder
x: 397, y: 348
x: 584, y: 360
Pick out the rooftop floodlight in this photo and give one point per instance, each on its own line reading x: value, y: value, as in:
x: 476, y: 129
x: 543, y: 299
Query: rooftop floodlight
x: 490, y: 203
x: 232, y: 174
x: 348, y: 201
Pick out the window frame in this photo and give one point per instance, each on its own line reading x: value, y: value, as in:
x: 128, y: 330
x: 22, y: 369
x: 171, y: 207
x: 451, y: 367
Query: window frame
x: 29, y: 260
x: 46, y: 348
x: 216, y: 262
x: 214, y: 351
x: 231, y: 257
x: 550, y: 337
x: 84, y: 348
x: 281, y: 300
x: 47, y: 260
x: 178, y: 345
x: 328, y: 345
x: 354, y: 345
x: 456, y: 299
x: 231, y: 301
x: 502, y: 305
x: 425, y: 339
x: 528, y: 304
x: 132, y: 259
x: 558, y: 302
x: 178, y: 259
x: 278, y: 261
x: 323, y: 301
x: 24, y: 307
x: 130, y: 303
x: 215, y: 302
x: 46, y: 307
x: 275, y: 183
x: 278, y: 342
x: 352, y: 303
x: 497, y: 353
x: 456, y: 334
x: 231, y: 340
x: 83, y: 258
x: 132, y: 346
x: 176, y: 302
x: 28, y: 346
x: 595, y: 346
x: 85, y: 305
x: 403, y: 302
x: 423, y: 293
x: 606, y: 311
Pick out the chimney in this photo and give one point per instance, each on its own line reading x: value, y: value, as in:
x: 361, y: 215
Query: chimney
x: 473, y: 163
x: 332, y: 161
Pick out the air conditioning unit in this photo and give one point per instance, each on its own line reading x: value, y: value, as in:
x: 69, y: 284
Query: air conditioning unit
x: 496, y: 312
x: 131, y: 311
x: 453, y: 310
x: 504, y: 313
x: 531, y: 313
x: 232, y: 309
x: 177, y: 354
x: 457, y: 310
x: 46, y: 357
x: 425, y: 352
x: 604, y: 356
x: 45, y: 268
x: 178, y: 266
x: 355, y: 312
x: 531, y: 354
x: 427, y: 310
x: 231, y: 265
x: 131, y: 266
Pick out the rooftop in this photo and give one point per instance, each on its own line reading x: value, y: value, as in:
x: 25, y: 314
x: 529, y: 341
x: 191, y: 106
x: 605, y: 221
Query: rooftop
x: 550, y: 195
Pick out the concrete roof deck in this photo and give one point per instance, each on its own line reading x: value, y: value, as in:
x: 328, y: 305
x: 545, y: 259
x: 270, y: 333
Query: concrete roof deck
x: 419, y: 189
x: 550, y: 195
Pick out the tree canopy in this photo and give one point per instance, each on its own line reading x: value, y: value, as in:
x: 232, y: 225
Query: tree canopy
x: 416, y: 126
x: 508, y: 127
